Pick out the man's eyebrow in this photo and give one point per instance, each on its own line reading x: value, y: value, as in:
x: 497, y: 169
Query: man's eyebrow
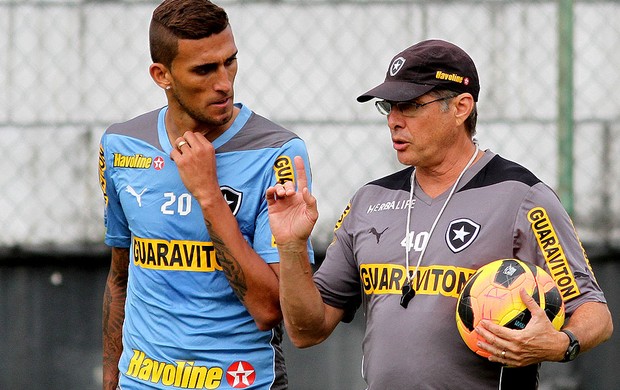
x: 208, y: 67
x: 205, y: 67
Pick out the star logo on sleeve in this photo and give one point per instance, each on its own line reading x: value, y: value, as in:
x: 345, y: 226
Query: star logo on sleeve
x: 461, y: 233
x: 240, y: 375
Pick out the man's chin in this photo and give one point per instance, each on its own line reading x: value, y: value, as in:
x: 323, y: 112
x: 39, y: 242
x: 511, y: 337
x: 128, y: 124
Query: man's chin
x: 223, y: 118
x: 218, y: 119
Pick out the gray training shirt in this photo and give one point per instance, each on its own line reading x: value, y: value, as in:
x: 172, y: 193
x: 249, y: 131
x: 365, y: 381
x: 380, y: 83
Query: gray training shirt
x: 499, y: 210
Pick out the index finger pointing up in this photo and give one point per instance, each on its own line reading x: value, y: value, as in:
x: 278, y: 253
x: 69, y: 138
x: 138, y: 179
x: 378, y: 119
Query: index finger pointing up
x: 302, y: 180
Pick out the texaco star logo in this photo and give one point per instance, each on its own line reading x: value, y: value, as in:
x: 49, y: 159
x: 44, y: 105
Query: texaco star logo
x: 240, y: 375
x: 461, y: 233
x: 158, y: 163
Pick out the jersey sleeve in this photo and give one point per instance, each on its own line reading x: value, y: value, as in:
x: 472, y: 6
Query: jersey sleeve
x: 282, y: 170
x: 338, y: 278
x: 117, y: 232
x: 546, y: 236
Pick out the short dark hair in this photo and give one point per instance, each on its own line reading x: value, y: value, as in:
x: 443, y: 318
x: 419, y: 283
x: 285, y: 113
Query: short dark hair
x: 182, y: 19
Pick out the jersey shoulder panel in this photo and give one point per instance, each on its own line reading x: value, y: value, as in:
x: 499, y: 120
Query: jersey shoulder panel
x: 400, y: 180
x: 143, y: 127
x: 500, y: 170
x: 258, y: 133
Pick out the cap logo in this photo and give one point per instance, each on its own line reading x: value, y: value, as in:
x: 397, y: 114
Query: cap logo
x: 451, y: 77
x: 397, y: 65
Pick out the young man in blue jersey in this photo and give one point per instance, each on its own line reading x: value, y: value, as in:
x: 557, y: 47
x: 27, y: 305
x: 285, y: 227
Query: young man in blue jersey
x: 406, y: 243
x: 191, y: 300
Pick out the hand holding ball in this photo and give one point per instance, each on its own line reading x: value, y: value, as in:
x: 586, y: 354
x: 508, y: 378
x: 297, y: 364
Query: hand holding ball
x: 492, y: 293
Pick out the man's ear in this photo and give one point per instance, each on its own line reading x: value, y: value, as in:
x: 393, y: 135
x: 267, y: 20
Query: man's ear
x: 464, y: 104
x: 161, y: 75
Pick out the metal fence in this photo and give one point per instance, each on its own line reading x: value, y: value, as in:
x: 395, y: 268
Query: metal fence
x: 70, y: 68
x: 550, y: 99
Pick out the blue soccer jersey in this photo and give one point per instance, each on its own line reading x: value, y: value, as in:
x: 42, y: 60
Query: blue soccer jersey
x: 184, y: 326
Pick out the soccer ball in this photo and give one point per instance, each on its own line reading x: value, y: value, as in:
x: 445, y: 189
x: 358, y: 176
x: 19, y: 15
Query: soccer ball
x: 492, y: 293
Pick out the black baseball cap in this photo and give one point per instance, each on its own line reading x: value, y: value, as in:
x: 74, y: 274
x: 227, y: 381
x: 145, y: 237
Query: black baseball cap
x: 427, y: 65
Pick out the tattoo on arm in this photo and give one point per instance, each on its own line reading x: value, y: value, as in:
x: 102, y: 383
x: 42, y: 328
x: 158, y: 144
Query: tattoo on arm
x: 113, y: 317
x: 230, y: 265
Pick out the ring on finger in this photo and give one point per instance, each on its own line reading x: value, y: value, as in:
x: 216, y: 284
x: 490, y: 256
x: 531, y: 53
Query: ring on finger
x: 503, y: 354
x: 181, y: 143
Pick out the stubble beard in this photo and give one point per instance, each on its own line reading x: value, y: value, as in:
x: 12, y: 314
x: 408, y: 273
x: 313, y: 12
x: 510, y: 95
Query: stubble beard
x: 202, y: 119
